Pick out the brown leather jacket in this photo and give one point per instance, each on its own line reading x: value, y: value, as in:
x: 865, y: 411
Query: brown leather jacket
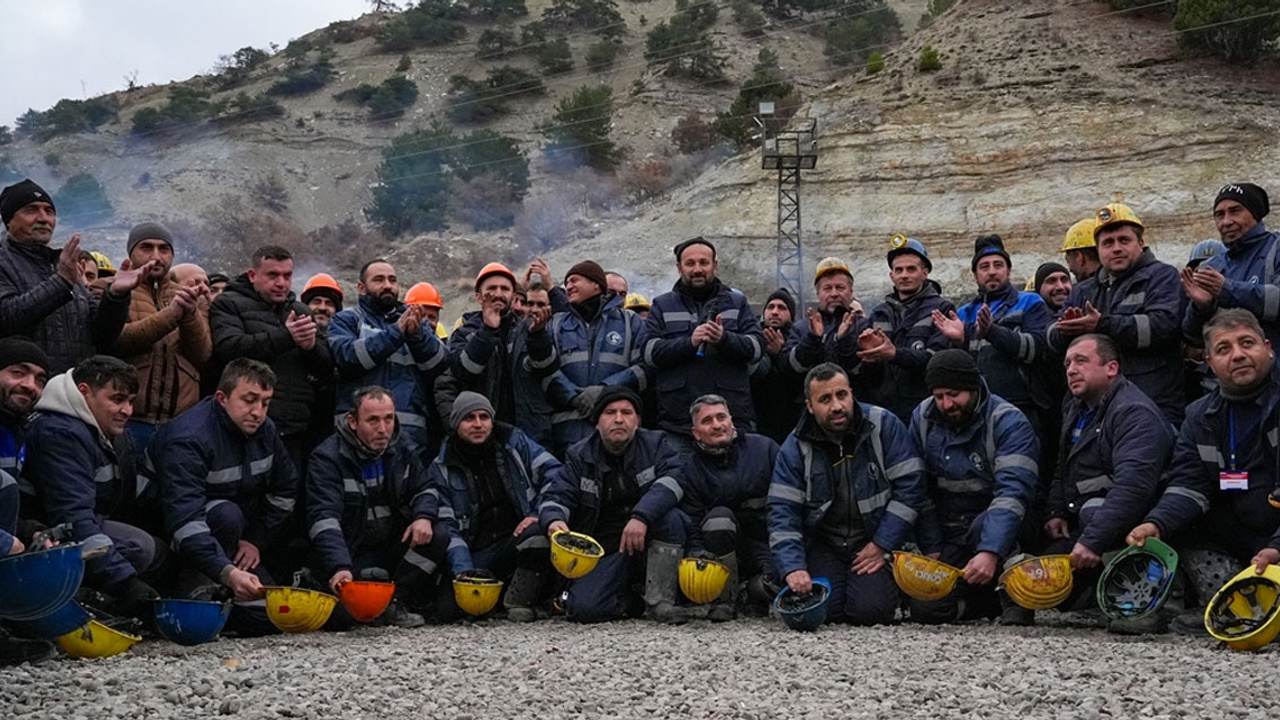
x: 169, y: 352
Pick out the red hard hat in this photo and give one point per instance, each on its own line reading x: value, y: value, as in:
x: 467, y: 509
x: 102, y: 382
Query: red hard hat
x: 424, y: 294
x: 494, y: 269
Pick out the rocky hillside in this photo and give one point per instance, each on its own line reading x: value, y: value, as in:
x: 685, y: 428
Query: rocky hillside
x: 1040, y: 113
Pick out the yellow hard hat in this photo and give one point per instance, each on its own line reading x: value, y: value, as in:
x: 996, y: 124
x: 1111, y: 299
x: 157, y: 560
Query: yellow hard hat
x: 702, y: 580
x: 1080, y: 236
x: 1115, y: 214
x: 105, y: 268
x: 96, y: 640
x: 574, y: 554
x: 1031, y: 284
x: 475, y: 595
x: 1245, y: 613
x: 636, y: 301
x: 830, y: 265
x: 441, y: 332
x: 924, y: 578
x: 296, y: 610
x: 1039, y: 583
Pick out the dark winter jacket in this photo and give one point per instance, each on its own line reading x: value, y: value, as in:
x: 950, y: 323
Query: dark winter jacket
x: 683, y: 372
x: 64, y: 319
x: 1012, y: 355
x: 778, y: 389
x: 1251, y: 270
x: 245, y: 325
x: 737, y: 480
x: 898, y: 385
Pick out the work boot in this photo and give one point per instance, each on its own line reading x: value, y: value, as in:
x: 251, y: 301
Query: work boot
x: 15, y: 651
x: 722, y: 608
x: 1189, y: 623
x: 1015, y: 615
x: 523, y: 593
x: 662, y: 583
x: 1149, y: 624
x: 397, y: 615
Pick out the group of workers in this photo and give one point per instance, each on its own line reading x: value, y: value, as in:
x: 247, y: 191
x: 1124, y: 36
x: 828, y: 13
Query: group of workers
x: 216, y: 434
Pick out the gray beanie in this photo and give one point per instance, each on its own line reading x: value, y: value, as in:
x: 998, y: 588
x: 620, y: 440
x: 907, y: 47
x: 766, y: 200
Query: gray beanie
x: 467, y: 403
x: 147, y: 231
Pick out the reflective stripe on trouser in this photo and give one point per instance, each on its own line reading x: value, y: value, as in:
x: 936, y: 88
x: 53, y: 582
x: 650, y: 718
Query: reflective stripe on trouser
x: 720, y: 531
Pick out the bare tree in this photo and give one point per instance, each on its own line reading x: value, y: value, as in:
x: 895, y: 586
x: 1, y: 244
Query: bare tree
x: 383, y: 6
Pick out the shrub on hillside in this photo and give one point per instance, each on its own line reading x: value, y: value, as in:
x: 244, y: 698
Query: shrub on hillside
x: 412, y: 194
x: 683, y: 49
x: 1238, y: 31
x: 929, y: 60
x: 693, y: 134
x: 495, y: 43
x: 554, y: 57
x: 578, y: 133
x: 186, y: 107
x: 431, y: 23
x: 875, y: 63
x: 748, y: 18
x: 601, y: 55
x: 245, y: 108
x: 304, y: 78
x: 767, y: 83
x: 66, y: 117
x: 82, y: 200
x: 235, y: 69
x: 472, y: 101
x: 850, y: 40
x: 645, y: 179
x: 495, y: 9
x: 599, y: 16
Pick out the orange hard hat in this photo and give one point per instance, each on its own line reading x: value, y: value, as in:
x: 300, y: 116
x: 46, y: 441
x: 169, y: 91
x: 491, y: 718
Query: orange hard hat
x: 424, y: 294
x: 321, y: 281
x: 494, y: 269
x: 365, y: 600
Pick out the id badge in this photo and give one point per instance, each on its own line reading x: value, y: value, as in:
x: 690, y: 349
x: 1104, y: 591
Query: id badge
x: 1233, y: 480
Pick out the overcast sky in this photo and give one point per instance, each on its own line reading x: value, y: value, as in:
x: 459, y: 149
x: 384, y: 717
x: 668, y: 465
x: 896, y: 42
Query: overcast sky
x: 54, y: 49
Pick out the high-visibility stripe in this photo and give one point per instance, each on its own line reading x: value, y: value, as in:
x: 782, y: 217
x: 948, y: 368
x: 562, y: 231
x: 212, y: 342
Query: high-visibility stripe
x: 1197, y: 497
x: 781, y: 536
x: 1014, y: 505
x: 323, y: 525
x: 190, y: 530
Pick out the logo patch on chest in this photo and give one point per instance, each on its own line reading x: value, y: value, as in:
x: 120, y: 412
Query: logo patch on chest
x: 614, y: 338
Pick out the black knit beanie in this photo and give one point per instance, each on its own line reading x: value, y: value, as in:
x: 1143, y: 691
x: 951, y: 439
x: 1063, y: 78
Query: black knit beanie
x: 1252, y: 197
x: 953, y: 369
x: 1048, y: 269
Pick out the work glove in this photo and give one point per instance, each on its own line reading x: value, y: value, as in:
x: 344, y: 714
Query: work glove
x: 585, y: 401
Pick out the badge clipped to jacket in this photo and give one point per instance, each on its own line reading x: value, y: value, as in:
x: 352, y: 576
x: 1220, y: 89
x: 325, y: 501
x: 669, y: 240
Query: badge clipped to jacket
x: 1233, y: 480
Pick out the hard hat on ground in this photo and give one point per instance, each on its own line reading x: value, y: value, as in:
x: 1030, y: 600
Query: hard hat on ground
x: 191, y: 622
x: 702, y: 580
x: 39, y: 582
x: 636, y: 302
x: 924, y: 578
x: 1245, y: 613
x: 365, y: 600
x: 1080, y: 236
x: 1115, y: 214
x: 96, y: 640
x: 105, y: 268
x: 830, y: 265
x: 476, y: 595
x: 323, y: 284
x: 1039, y: 583
x: 297, y: 610
x: 901, y: 244
x: 495, y: 269
x: 574, y: 554
x: 1137, y: 581
x: 1204, y: 250
x: 424, y: 294
x: 71, y: 616
x: 804, y: 611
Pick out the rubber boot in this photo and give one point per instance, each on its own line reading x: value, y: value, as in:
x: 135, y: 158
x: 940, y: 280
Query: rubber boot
x: 523, y: 593
x: 722, y: 608
x: 662, y: 583
x: 1014, y: 614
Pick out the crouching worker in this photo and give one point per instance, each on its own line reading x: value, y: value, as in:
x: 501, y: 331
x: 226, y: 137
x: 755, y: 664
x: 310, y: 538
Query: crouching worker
x: 488, y: 477
x: 847, y: 489
x: 368, y: 506
x: 727, y: 483
x: 80, y: 479
x: 980, y: 462
x: 622, y: 486
x: 1219, y: 508
x: 228, y: 490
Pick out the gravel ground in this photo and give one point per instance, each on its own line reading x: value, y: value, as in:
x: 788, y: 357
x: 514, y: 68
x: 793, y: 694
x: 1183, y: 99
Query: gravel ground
x: 746, y: 669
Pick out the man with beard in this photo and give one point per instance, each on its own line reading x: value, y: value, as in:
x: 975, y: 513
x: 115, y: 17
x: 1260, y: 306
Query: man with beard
x: 488, y: 350
x: 1115, y: 448
x: 83, y: 479
x: 1053, y: 283
x: 980, y: 456
x: 229, y: 488
x: 901, y: 336
x: 386, y: 343
x: 1136, y: 301
x: 846, y: 490
x: 1219, y: 507
x: 323, y: 295
x: 367, y: 499
x: 830, y: 333
x: 599, y: 345
x: 1003, y: 328
x: 24, y: 369
x: 42, y: 293
x: 534, y: 412
x: 258, y: 317
x: 622, y: 486
x: 167, y: 337
x: 1245, y: 276
x: 775, y: 385
x: 489, y: 477
x: 703, y: 338
x: 726, y: 484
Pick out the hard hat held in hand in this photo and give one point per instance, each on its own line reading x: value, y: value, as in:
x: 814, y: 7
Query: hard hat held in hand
x: 574, y: 554
x: 1039, y: 583
x: 1137, y: 580
x: 924, y: 578
x: 295, y: 610
x: 1245, y: 613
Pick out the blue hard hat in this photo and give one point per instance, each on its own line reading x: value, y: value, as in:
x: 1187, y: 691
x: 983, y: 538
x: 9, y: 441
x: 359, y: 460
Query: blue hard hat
x: 804, y: 612
x: 38, y: 583
x: 70, y: 617
x: 899, y: 244
x: 1204, y: 250
x: 190, y: 622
